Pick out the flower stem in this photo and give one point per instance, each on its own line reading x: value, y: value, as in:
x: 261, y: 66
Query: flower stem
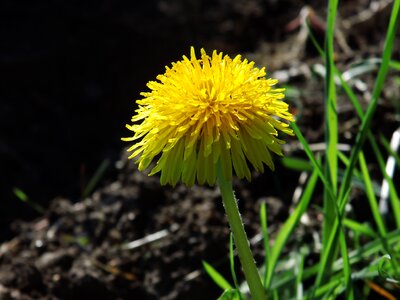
x: 240, y: 238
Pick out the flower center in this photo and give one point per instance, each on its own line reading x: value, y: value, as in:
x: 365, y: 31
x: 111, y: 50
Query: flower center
x: 207, y: 92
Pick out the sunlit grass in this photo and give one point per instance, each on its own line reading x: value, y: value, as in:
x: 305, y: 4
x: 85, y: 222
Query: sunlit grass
x: 357, y: 259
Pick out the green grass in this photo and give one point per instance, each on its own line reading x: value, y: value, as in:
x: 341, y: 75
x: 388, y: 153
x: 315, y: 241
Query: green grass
x: 96, y: 178
x: 22, y: 196
x: 357, y: 258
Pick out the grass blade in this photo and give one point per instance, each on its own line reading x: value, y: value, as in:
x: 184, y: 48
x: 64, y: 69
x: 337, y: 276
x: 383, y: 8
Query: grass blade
x: 393, y: 196
x: 330, y: 100
x: 366, y: 121
x: 289, y: 225
x: 373, y: 203
x: 264, y: 229
x: 217, y: 277
x: 368, y: 251
x: 360, y: 228
x: 20, y: 194
x: 96, y: 178
x: 300, y: 269
x: 389, y: 149
x: 314, y: 162
x: 232, y: 264
x: 297, y: 164
x: 331, y: 132
x: 346, y: 266
x: 267, y: 248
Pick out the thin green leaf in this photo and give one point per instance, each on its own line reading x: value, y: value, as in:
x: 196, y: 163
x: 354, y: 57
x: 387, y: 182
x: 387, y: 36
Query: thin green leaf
x: 314, y: 162
x: 331, y: 131
x: 393, y: 196
x: 362, y: 254
x: 96, y: 178
x: 232, y: 263
x: 264, y: 229
x: 377, y: 89
x: 267, y: 248
x: 389, y: 149
x: 346, y: 267
x: 360, y: 228
x: 330, y: 99
x: 300, y: 269
x: 217, y: 277
x: 395, y: 65
x: 357, y: 180
x: 289, y: 225
x: 366, y: 121
x: 297, y: 164
x: 373, y: 203
x: 20, y: 194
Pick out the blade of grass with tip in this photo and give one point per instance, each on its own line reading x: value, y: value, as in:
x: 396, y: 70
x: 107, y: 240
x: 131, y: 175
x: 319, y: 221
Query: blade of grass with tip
x: 96, y: 178
x: 21, y: 195
x: 217, y: 277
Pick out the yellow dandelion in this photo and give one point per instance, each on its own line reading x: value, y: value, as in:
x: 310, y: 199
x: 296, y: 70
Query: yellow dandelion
x: 207, y: 111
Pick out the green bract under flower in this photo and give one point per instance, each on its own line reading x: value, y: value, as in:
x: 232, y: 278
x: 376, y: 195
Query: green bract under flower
x: 205, y: 111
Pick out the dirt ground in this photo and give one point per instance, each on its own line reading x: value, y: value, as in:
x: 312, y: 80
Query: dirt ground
x: 70, y: 73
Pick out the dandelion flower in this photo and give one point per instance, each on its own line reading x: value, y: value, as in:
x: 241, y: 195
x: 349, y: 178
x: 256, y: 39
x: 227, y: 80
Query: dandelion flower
x: 208, y: 111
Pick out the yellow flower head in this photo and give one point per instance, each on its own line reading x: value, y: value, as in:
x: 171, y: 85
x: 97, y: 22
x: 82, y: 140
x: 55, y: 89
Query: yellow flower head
x: 205, y: 111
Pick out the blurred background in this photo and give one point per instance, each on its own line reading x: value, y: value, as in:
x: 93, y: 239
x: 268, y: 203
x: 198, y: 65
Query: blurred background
x: 72, y: 70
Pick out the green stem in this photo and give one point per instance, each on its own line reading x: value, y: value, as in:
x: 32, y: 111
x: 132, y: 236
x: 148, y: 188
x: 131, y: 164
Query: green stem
x: 240, y: 238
